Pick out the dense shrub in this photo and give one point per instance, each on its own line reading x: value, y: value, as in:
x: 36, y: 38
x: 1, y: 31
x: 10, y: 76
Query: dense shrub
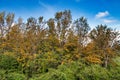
x: 2, y: 74
x: 8, y: 62
x: 52, y: 75
x: 15, y: 76
x: 93, y: 72
x: 115, y: 69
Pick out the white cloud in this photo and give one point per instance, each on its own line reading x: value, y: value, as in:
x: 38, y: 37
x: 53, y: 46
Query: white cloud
x: 108, y: 20
x: 105, y: 17
x: 102, y: 14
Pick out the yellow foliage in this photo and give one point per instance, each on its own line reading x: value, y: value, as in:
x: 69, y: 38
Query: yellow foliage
x: 94, y: 59
x: 77, y: 56
x: 89, y: 48
x: 110, y: 52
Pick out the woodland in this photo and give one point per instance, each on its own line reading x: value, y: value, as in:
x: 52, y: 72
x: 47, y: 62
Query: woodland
x: 59, y: 48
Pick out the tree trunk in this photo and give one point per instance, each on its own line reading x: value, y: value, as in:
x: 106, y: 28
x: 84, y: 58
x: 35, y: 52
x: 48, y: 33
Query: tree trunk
x: 106, y: 61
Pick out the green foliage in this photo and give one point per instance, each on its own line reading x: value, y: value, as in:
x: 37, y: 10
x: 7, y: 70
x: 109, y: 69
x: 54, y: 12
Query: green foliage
x: 115, y: 73
x: 49, y: 60
x: 52, y: 75
x: 93, y: 72
x: 115, y: 69
x: 67, y: 71
x: 15, y: 76
x: 5, y: 75
x: 2, y: 74
x: 8, y: 62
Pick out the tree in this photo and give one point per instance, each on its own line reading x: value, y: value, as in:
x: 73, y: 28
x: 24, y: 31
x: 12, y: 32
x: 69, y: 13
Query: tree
x: 104, y: 39
x: 6, y: 22
x: 2, y: 21
x: 63, y: 23
x: 31, y: 23
x: 82, y: 28
x: 51, y: 26
x: 9, y: 20
x: 52, y: 38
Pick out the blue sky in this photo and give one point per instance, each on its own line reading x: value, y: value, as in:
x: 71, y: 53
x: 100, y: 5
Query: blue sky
x: 96, y: 11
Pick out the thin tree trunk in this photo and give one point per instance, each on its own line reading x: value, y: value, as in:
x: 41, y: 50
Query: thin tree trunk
x: 106, y: 61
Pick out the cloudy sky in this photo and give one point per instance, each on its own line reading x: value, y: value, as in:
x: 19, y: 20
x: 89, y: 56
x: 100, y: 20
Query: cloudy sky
x: 96, y: 11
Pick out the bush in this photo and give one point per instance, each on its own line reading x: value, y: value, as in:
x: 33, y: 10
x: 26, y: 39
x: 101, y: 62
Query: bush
x: 52, y: 75
x: 67, y: 71
x: 2, y: 74
x: 15, y: 76
x: 115, y: 73
x: 115, y: 69
x: 8, y: 62
x: 93, y: 72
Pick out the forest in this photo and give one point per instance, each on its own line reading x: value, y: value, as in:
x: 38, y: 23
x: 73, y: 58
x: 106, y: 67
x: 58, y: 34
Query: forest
x: 59, y: 48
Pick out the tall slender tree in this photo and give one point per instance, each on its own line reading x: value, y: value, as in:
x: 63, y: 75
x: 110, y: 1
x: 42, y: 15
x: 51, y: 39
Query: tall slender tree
x: 2, y: 23
x: 82, y: 28
x: 63, y: 23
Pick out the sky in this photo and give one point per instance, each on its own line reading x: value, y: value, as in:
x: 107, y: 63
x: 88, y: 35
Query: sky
x: 96, y: 11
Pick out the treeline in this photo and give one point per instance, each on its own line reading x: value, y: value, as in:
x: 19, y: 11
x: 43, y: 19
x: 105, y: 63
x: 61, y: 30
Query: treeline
x: 57, y: 49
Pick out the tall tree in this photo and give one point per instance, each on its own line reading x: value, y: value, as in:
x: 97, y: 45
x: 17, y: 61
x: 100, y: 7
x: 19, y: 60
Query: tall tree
x: 2, y: 23
x: 51, y: 26
x: 104, y: 39
x: 63, y: 23
x: 6, y: 22
x: 31, y: 23
x: 9, y: 20
x: 53, y: 41
x: 82, y: 28
x: 31, y: 33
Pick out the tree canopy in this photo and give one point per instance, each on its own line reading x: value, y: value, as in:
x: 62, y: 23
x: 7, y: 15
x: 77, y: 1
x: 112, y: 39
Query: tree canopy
x: 57, y: 49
